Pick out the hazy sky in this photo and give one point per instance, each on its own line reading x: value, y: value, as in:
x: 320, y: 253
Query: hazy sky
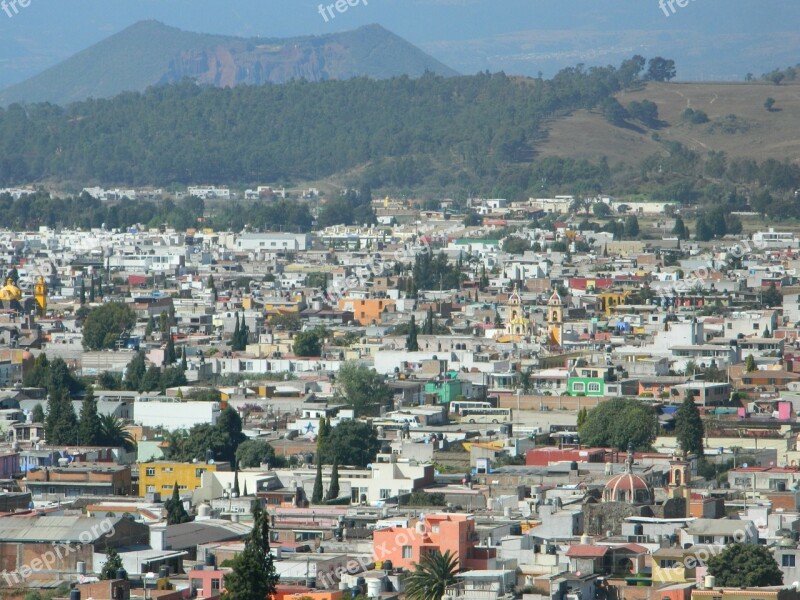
x: 515, y: 35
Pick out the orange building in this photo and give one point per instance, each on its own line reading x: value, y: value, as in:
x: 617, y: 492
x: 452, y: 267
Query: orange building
x: 405, y: 546
x: 367, y: 310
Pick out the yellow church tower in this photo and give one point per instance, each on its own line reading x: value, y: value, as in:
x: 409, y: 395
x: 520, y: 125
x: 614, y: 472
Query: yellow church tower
x: 555, y: 320
x: 517, y: 324
x: 40, y: 294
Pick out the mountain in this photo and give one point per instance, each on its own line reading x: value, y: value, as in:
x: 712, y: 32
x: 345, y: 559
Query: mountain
x: 149, y: 53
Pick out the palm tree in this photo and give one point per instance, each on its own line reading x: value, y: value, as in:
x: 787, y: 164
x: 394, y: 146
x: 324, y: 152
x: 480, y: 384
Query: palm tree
x: 432, y: 576
x: 113, y: 433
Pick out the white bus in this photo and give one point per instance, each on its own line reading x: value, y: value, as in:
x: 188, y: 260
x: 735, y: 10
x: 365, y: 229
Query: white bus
x: 457, y: 407
x: 486, y: 415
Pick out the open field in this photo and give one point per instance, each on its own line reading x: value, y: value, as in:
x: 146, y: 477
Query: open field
x: 761, y: 134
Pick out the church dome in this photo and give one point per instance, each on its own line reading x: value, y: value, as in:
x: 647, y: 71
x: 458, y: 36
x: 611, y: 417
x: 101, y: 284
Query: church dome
x: 628, y: 488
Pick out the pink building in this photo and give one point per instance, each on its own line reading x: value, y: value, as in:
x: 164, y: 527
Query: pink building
x: 405, y: 546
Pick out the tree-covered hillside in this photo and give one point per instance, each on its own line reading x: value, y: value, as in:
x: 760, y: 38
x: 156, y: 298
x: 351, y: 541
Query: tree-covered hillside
x: 450, y: 132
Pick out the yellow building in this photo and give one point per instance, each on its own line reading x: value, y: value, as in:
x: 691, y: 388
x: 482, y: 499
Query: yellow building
x: 161, y: 476
x: 555, y: 320
x: 608, y: 300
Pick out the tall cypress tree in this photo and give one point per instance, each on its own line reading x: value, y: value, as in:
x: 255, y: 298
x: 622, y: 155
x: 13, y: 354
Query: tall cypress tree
x: 316, y: 496
x: 83, y: 292
x: 89, y: 422
x: 689, y: 427
x: 61, y: 424
x: 253, y: 576
x: 333, y: 488
x: 411, y: 340
x: 176, y: 512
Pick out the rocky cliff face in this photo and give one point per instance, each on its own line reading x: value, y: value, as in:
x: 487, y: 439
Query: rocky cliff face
x: 227, y: 66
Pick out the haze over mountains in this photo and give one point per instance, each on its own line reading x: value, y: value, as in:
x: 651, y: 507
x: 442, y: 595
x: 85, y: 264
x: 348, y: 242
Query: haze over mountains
x: 150, y: 53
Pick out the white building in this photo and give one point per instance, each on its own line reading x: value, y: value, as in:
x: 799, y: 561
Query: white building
x: 272, y: 242
x: 174, y: 413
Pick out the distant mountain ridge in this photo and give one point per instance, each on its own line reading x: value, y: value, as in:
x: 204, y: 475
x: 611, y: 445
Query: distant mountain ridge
x: 149, y: 53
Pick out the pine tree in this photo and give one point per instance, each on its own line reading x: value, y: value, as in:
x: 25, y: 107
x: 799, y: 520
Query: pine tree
x: 244, y: 489
x: 253, y: 576
x: 316, y: 496
x: 151, y: 326
x: 176, y: 512
x: 184, y: 366
x: 89, y: 421
x: 689, y: 427
x: 411, y: 340
x: 83, y: 293
x: 236, y: 481
x: 91, y: 291
x: 750, y: 363
x: 427, y: 328
x: 235, y: 339
x: 171, y: 357
x: 111, y: 566
x: 333, y: 488
x: 211, y: 286
x: 60, y: 424
x: 38, y: 414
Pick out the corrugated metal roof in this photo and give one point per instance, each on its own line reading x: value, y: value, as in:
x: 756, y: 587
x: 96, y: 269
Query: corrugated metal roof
x: 189, y: 535
x: 55, y: 529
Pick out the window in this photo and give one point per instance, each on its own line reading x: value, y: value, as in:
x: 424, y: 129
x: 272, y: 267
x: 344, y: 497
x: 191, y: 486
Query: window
x: 215, y: 584
x: 705, y: 539
x: 150, y: 472
x: 385, y: 494
x: 578, y: 387
x: 667, y: 563
x: 151, y: 488
x: 199, y: 472
x: 787, y: 560
x: 593, y: 387
x: 407, y: 552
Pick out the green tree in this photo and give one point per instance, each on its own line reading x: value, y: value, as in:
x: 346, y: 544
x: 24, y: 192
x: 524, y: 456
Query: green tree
x: 307, y: 343
x: 352, y: 443
x: 680, y: 229
x: 252, y: 453
x: 134, y: 372
x: 631, y: 227
x: 772, y: 297
x: 601, y: 210
x: 89, y: 433
x: 150, y: 327
x: 253, y: 576
x: 434, y: 573
x: 703, y: 231
x: 411, y: 341
x: 60, y: 424
x: 37, y: 416
x: 176, y: 511
x: 151, y: 380
x: 516, y: 245
x: 745, y: 566
x: 113, y: 433
x: 83, y: 292
x: 660, y: 69
x: 689, y: 429
x: 362, y: 388
x: 582, y: 415
x: 618, y: 422
x: 316, y: 495
x: 750, y: 363
x: 107, y: 324
x: 212, y: 287
x: 222, y: 439
x: 111, y: 566
x: 333, y: 488
x: 769, y: 104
